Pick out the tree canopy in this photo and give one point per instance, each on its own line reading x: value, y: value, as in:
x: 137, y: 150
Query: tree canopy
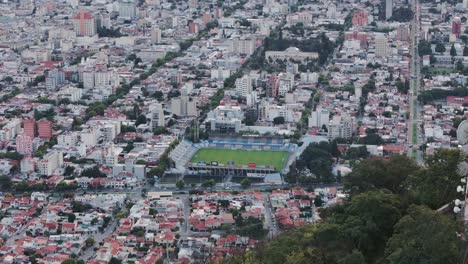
x: 423, y: 236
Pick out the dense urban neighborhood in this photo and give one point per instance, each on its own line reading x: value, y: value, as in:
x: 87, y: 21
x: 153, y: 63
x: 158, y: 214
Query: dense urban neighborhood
x: 260, y: 131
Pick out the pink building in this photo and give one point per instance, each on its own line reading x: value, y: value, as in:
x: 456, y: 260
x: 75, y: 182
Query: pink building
x: 456, y: 26
x: 24, y: 145
x: 44, y: 128
x: 206, y: 18
x: 361, y: 36
x: 360, y: 18
x: 194, y: 28
x: 29, y: 127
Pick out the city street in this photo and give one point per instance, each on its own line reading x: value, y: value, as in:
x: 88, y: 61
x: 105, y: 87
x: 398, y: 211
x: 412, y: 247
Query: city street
x: 414, y: 140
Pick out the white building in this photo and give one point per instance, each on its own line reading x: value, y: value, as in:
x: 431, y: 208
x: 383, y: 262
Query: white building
x: 381, y: 46
x: 243, y: 45
x: 67, y: 139
x: 156, y: 115
x: 88, y: 137
x: 55, y: 79
x: 220, y: 74
x: 183, y: 105
x: 51, y: 161
x: 156, y: 35
x: 388, y: 9
x: 291, y: 53
x: 70, y: 93
x: 243, y: 86
x: 331, y: 12
x: 127, y: 9
x: 341, y: 126
x: 27, y: 165
x: 285, y: 83
x: 10, y: 130
x: 304, y: 17
x: 225, y: 118
x: 319, y: 118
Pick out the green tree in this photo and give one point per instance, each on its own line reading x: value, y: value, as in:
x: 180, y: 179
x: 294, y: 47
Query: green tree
x: 209, y: 183
x: 140, y: 120
x: 8, y: 79
x: 115, y: 260
x: 68, y: 170
x: 69, y: 261
x: 278, y: 120
x: 180, y: 184
x: 355, y: 257
x: 440, y: 47
x: 90, y: 242
x: 453, y: 51
x: 245, y: 183
x: 423, y: 236
x: 379, y: 173
x: 71, y: 218
x: 424, y: 48
x: 436, y: 185
x: 402, y: 14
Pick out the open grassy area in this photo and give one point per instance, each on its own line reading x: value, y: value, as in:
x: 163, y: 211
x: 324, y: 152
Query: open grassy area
x: 242, y: 157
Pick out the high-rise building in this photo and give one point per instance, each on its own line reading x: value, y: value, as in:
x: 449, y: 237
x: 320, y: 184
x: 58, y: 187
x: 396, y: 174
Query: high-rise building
x: 206, y: 18
x: 55, y: 79
x: 84, y: 24
x: 319, y: 118
x: 456, y: 26
x: 24, y: 145
x: 243, y: 46
x: 272, y: 86
x: 183, y: 105
x: 381, y: 46
x: 29, y: 127
x: 357, y: 92
x: 388, y: 9
x: 285, y: 83
x: 331, y: 12
x: 243, y: 86
x: 361, y: 36
x: 402, y: 33
x: 193, y: 3
x: 156, y: 35
x: 44, y: 128
x: 194, y: 27
x: 360, y: 18
x: 127, y: 9
x: 50, y: 163
x: 157, y: 116
x: 341, y: 126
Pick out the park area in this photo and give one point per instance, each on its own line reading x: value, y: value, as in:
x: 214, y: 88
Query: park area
x: 276, y: 159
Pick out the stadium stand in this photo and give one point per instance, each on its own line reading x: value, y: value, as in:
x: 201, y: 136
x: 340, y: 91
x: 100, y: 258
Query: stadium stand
x: 182, y: 154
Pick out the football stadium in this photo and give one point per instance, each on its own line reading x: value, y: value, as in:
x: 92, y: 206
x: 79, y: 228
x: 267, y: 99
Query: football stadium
x: 230, y: 157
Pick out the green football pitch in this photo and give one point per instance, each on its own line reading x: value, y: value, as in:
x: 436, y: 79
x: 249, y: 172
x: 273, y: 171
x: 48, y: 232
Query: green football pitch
x: 242, y: 157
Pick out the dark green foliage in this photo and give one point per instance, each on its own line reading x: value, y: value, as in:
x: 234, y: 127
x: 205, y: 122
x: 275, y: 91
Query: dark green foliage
x: 423, y: 236
x: 402, y: 14
x: 93, y: 172
x: 378, y: 173
x: 424, y: 48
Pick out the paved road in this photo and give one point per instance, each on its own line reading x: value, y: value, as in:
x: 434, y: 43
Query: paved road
x: 98, y: 237
x: 270, y: 222
x: 413, y: 126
